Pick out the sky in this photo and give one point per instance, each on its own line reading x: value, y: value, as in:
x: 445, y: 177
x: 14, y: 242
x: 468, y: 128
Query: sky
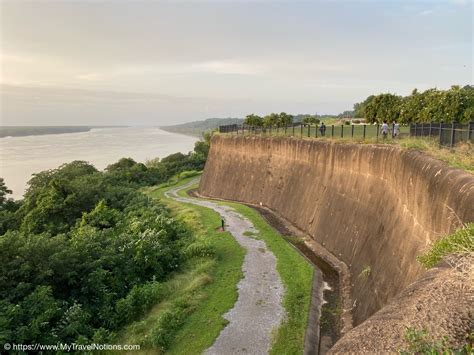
x: 164, y: 62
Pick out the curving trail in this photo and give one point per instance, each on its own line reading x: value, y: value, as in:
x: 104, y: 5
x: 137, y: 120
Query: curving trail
x: 258, y: 311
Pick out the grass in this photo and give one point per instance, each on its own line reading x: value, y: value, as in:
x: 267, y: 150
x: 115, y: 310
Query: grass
x: 206, y: 288
x: 297, y: 277
x: 459, y: 242
x: 365, y: 273
x: 419, y: 341
x: 461, y: 157
x: 189, y: 318
x: 345, y: 130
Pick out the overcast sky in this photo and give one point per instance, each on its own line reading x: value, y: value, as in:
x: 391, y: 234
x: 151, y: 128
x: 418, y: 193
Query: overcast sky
x: 164, y: 62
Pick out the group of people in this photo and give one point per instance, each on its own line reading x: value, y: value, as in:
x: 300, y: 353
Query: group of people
x: 384, y: 129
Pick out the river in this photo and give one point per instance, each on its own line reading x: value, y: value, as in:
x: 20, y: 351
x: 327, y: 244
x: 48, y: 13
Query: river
x: 22, y: 156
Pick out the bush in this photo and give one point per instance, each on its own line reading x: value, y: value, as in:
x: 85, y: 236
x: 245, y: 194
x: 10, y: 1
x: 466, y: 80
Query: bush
x: 138, y: 301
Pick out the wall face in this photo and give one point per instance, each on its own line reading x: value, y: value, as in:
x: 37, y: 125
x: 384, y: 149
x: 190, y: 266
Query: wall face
x: 371, y: 206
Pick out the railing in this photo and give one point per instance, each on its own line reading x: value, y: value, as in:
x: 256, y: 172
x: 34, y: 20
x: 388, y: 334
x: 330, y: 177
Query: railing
x: 448, y: 134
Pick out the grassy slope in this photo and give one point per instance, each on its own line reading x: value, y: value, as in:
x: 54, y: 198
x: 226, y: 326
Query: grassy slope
x: 207, y: 284
x: 297, y: 276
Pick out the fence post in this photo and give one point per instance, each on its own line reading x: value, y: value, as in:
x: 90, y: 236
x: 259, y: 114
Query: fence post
x: 293, y: 131
x: 301, y: 130
x: 332, y: 131
x: 431, y: 124
x: 416, y: 129
x: 452, y: 134
x: 470, y: 126
x: 309, y: 130
x: 393, y: 130
x: 285, y: 130
x: 440, y: 132
x: 378, y: 131
x: 365, y: 127
x: 316, y: 131
x: 352, y: 131
x: 342, y: 131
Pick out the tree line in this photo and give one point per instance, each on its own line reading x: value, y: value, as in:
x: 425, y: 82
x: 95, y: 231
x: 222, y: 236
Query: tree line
x: 279, y: 120
x: 453, y: 105
x: 85, y: 252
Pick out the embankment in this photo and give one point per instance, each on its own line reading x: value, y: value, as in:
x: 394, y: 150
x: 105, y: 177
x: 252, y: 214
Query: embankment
x: 375, y: 207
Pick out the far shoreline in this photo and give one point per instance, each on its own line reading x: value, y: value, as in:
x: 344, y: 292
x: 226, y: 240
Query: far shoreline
x: 25, y: 131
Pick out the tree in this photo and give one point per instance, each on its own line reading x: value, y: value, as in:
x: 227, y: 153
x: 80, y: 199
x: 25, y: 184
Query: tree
x: 310, y: 120
x: 253, y: 120
x: 455, y: 104
x: 4, y: 191
x: 285, y: 120
x: 272, y: 119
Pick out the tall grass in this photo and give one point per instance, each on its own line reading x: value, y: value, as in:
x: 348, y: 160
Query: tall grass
x: 460, y: 242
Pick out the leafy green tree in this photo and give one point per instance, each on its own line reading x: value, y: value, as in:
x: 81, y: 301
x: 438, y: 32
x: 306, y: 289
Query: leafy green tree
x: 285, y: 120
x: 4, y: 191
x: 101, y: 216
x: 253, y: 120
x: 272, y: 119
x: 455, y: 104
x: 310, y: 120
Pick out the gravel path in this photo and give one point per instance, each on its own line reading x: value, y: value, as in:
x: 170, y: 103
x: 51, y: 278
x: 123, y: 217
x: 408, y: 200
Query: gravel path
x: 258, y: 311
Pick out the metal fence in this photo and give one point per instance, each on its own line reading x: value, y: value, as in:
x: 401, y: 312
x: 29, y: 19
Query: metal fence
x: 448, y: 134
x: 361, y: 131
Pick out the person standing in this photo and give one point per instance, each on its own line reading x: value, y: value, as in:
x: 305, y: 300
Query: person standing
x: 384, y: 129
x: 322, y: 129
x: 396, y: 129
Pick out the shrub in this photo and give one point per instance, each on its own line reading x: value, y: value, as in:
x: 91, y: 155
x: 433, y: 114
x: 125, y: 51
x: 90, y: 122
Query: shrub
x: 138, y: 301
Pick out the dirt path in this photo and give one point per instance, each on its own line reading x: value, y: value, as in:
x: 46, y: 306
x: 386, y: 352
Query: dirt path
x: 258, y: 311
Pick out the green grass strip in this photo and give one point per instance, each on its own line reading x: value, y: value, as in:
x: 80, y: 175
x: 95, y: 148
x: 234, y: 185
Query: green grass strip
x: 459, y: 242
x: 190, y: 318
x: 199, y: 329
x: 297, y: 277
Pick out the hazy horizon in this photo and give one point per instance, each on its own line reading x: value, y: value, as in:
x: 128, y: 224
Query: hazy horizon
x: 162, y: 63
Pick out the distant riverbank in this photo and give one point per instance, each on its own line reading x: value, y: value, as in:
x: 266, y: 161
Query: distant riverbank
x: 23, y: 131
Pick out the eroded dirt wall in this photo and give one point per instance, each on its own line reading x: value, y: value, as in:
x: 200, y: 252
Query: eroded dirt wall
x: 374, y: 207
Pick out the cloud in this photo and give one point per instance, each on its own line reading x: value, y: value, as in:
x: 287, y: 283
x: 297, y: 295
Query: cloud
x: 460, y: 2
x: 90, y: 77
x: 227, y: 67
x: 206, y: 67
x: 426, y: 12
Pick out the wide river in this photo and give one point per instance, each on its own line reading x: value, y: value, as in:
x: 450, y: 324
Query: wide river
x: 22, y: 156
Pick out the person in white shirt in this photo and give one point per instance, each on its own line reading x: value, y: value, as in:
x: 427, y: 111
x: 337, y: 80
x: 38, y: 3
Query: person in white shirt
x: 396, y: 129
x: 384, y: 129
